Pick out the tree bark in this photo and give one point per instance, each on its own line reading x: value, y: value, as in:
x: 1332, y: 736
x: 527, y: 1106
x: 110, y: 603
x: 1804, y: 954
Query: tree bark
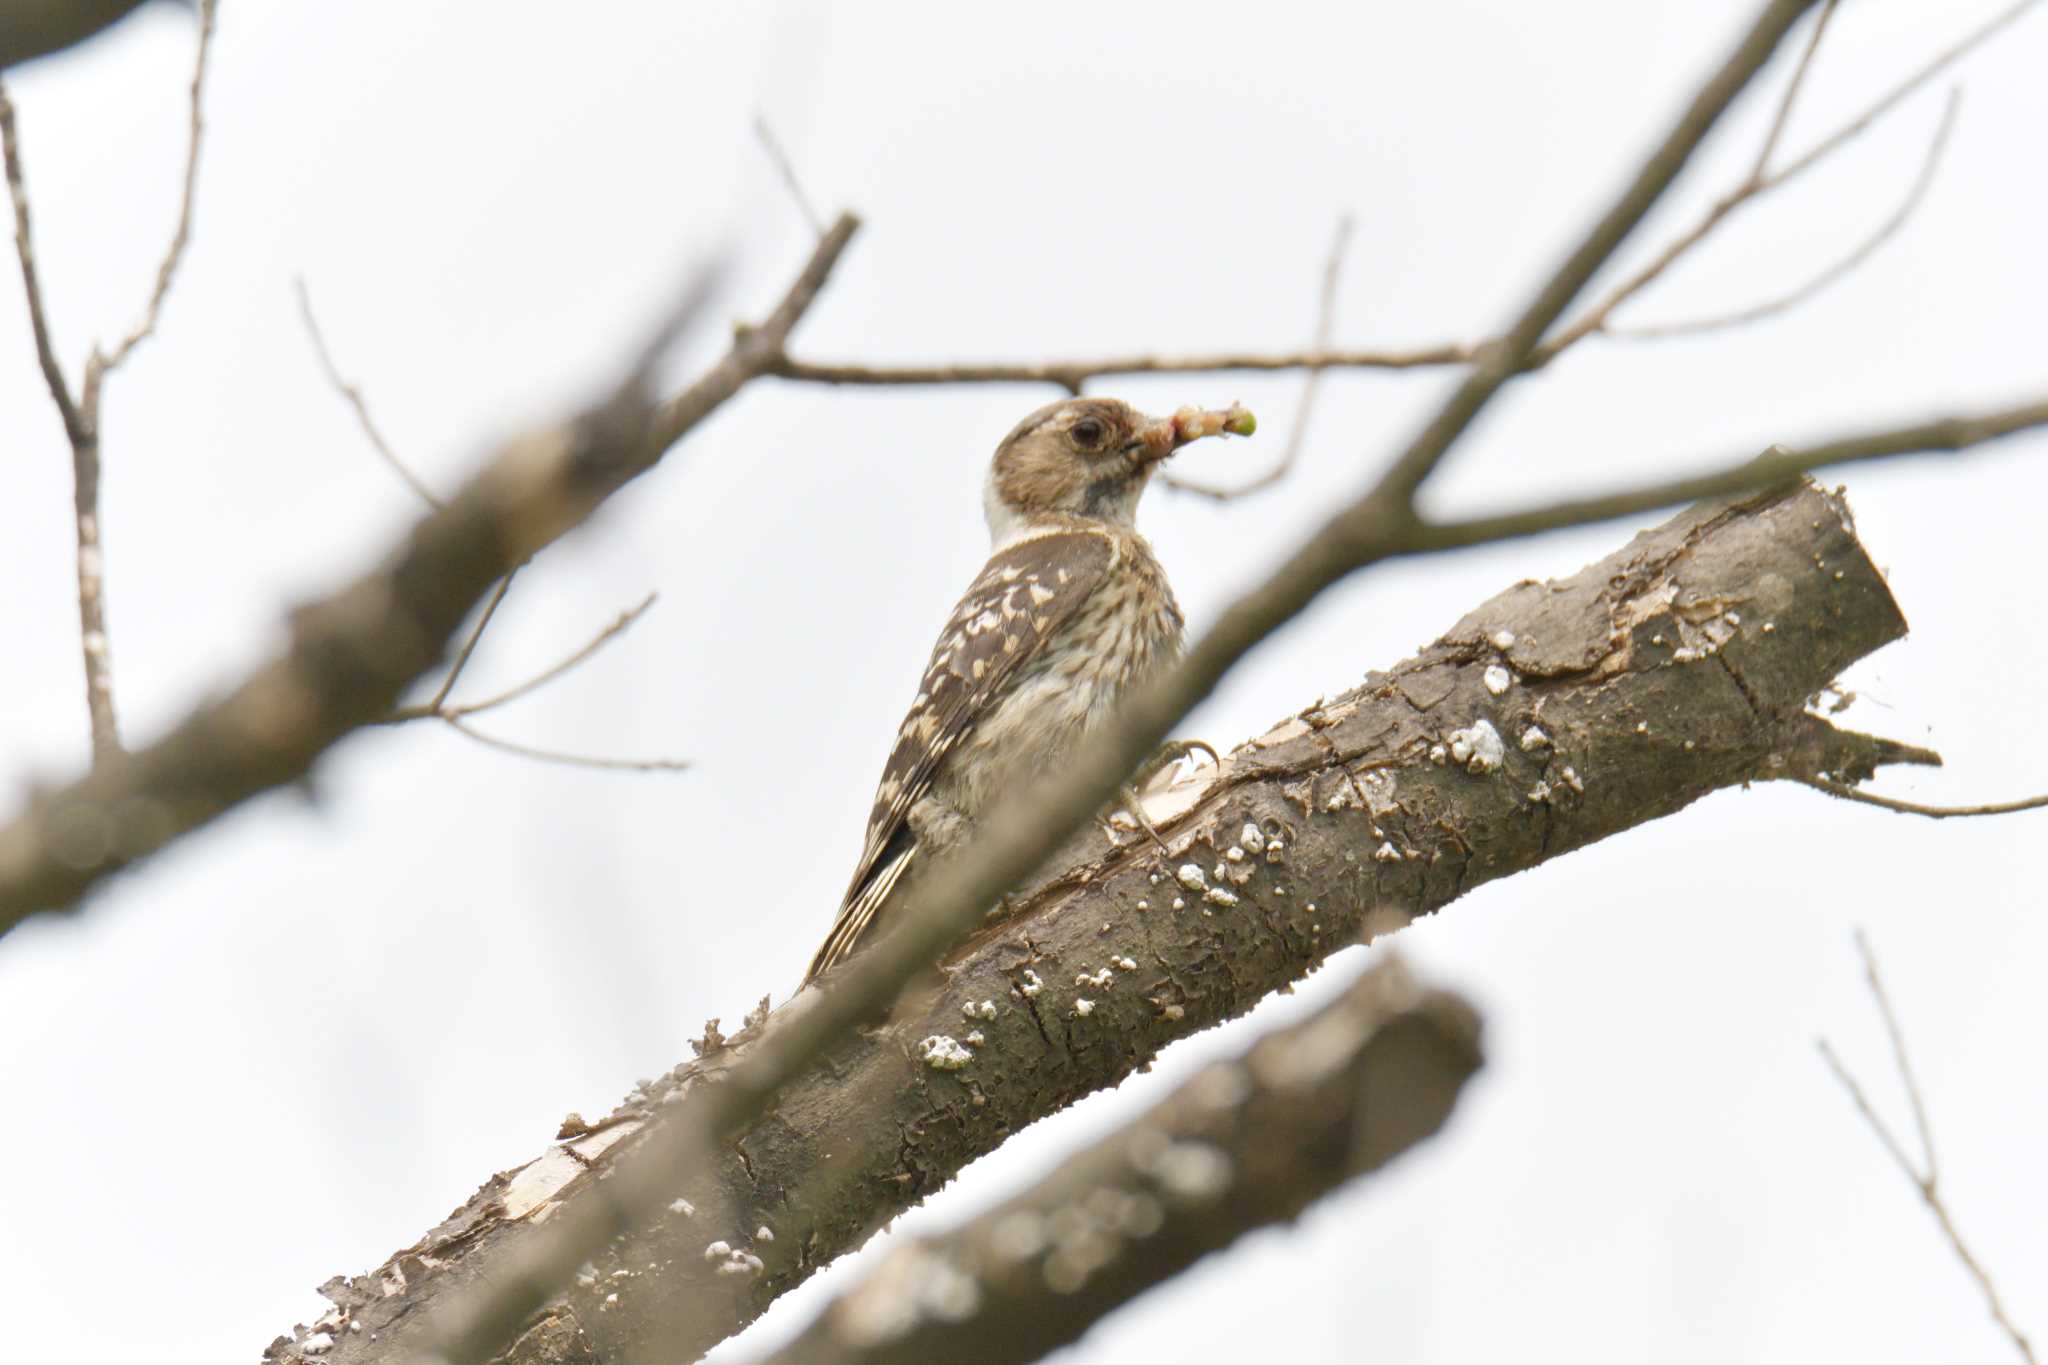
x: 1555, y: 715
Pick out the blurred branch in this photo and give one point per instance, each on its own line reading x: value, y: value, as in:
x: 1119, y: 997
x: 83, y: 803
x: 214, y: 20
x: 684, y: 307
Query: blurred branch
x: 1247, y: 1142
x: 1926, y: 1183
x: 354, y: 653
x: 37, y: 28
x: 81, y: 414
x: 1326, y: 321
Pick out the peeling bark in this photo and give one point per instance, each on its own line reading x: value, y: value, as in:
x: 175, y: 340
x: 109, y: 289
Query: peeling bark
x: 1555, y: 715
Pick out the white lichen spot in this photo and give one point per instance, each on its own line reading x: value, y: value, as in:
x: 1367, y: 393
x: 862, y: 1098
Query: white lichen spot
x: 984, y: 1009
x: 1732, y: 618
x: 682, y: 1208
x: 1234, y: 854
x: 1477, y: 748
x: 1571, y: 779
x: 1503, y: 639
x: 1497, y: 679
x: 714, y: 1250
x: 1216, y: 895
x: 1274, y: 848
x: 764, y: 1233
x: 741, y: 1263
x: 1642, y: 727
x: 942, y: 1053
x: 974, y: 1039
x: 1657, y: 639
x: 1387, y: 853
x: 1540, y: 792
x: 1179, y: 904
x: 613, y: 1297
x: 1533, y: 739
x: 1083, y: 1007
x: 1031, y: 985
x: 320, y: 1343
x: 1310, y: 908
x: 1101, y: 978
x: 1144, y: 905
x: 1220, y: 871
x: 1438, y: 754
x: 1252, y: 837
x: 1689, y: 746
x: 1770, y: 626
x: 1125, y: 964
x: 1684, y: 654
x: 1173, y: 1013
x: 1155, y: 879
x: 1191, y: 877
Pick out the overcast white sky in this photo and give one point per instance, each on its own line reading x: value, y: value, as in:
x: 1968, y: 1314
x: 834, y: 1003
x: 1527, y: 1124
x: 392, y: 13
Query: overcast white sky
x: 295, y: 1042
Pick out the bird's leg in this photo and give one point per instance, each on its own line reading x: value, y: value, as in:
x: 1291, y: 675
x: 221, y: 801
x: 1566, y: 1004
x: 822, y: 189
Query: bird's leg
x: 1164, y: 757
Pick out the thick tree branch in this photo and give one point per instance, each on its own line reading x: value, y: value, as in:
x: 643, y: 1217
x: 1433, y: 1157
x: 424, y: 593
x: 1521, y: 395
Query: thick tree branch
x: 354, y: 653
x: 1248, y: 1142
x: 1551, y: 717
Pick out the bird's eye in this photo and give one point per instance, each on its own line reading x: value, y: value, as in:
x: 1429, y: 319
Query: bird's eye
x: 1088, y: 432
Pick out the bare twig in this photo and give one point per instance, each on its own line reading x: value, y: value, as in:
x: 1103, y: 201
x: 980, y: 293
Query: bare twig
x: 634, y: 765
x: 24, y: 245
x: 469, y: 643
x: 1783, y: 117
x: 167, y: 269
x: 1072, y: 374
x: 1326, y: 321
x: 1928, y: 1182
x: 81, y: 414
x: 787, y: 170
x: 1893, y: 803
x: 353, y: 396
x: 1862, y: 252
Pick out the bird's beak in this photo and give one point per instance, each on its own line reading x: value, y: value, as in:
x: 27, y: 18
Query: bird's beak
x: 1159, y: 437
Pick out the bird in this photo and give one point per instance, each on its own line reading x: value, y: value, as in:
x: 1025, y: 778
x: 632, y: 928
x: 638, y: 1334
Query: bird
x: 1071, y: 611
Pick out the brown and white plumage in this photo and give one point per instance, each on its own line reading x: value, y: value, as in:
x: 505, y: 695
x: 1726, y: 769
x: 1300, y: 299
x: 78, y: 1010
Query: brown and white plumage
x: 1070, y: 610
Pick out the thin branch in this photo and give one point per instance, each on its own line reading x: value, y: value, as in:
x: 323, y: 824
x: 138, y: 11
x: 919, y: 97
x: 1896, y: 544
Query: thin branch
x: 1072, y: 374
x: 24, y: 245
x: 1862, y: 252
x: 636, y: 765
x: 1941, y: 62
x: 1926, y: 1183
x: 353, y: 396
x: 787, y: 170
x: 1893, y: 803
x: 1326, y: 321
x: 1776, y: 465
x: 469, y: 643
x: 1761, y: 181
x: 1783, y: 117
x: 167, y: 269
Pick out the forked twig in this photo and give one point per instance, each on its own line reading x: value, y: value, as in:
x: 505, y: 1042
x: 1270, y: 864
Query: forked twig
x: 81, y: 413
x: 1927, y: 1183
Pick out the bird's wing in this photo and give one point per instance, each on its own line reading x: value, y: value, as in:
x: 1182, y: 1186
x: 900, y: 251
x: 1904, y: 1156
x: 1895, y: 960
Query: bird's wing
x: 1020, y: 600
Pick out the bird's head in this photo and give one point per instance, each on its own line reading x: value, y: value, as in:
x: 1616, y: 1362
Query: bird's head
x: 1089, y: 458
